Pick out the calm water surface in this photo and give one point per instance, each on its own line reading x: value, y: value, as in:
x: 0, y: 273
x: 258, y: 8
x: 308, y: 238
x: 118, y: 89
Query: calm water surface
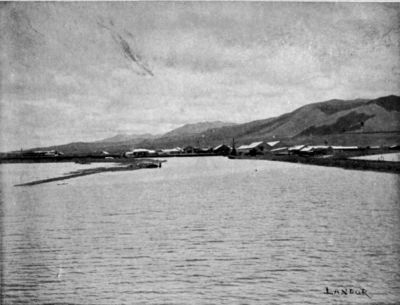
x: 200, y: 231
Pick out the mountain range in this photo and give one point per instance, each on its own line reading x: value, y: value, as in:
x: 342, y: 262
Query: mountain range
x: 337, y: 122
x: 127, y: 137
x: 190, y: 129
x: 185, y: 130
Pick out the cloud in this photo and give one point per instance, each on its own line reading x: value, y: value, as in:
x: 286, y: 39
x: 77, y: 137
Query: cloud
x: 81, y: 71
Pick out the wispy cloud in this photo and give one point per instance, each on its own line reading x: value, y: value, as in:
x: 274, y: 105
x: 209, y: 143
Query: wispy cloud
x: 126, y: 48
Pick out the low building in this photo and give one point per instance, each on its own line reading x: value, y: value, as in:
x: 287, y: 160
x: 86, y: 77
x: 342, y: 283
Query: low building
x: 295, y: 150
x: 273, y: 145
x: 345, y: 148
x: 42, y: 153
x: 140, y: 153
x: 315, y: 150
x: 253, y: 148
x: 222, y: 149
x: 172, y: 151
x: 203, y: 150
x: 281, y: 151
x: 189, y: 149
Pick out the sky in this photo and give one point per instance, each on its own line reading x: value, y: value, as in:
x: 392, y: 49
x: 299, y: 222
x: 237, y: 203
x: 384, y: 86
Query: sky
x: 83, y: 71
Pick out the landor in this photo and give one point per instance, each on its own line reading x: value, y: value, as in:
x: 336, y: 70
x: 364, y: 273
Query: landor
x: 346, y: 291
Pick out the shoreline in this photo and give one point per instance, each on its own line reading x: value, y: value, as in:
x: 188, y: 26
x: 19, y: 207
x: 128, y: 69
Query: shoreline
x: 341, y: 162
x: 95, y: 159
x: 126, y: 164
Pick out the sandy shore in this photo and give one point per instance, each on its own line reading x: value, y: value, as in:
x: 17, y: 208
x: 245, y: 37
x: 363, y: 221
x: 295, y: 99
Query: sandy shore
x: 97, y: 170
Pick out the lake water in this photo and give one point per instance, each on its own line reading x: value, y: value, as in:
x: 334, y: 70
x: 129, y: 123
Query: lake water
x: 200, y: 231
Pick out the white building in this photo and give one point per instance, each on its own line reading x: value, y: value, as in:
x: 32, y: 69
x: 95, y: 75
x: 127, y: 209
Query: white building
x: 140, y: 152
x: 255, y: 146
x: 172, y: 151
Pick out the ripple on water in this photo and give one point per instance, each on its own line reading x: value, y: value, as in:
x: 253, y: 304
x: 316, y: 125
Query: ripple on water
x: 202, y: 230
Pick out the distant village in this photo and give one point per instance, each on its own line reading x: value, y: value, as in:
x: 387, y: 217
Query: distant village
x: 253, y: 149
x: 277, y: 148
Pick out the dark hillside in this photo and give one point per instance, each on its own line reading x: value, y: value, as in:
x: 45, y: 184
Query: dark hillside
x: 353, y: 122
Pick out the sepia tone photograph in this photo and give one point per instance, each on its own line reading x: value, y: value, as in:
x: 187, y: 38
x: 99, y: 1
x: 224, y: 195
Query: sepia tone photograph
x: 199, y: 152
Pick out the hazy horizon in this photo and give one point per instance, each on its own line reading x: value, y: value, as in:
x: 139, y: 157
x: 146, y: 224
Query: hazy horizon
x: 85, y: 71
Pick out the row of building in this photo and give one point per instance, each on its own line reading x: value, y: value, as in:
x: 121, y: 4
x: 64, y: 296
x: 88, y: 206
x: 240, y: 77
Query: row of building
x: 255, y: 148
x: 280, y: 148
x: 143, y: 152
x: 42, y: 153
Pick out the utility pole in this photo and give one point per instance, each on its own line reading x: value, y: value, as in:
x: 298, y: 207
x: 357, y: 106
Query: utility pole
x: 233, y: 152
